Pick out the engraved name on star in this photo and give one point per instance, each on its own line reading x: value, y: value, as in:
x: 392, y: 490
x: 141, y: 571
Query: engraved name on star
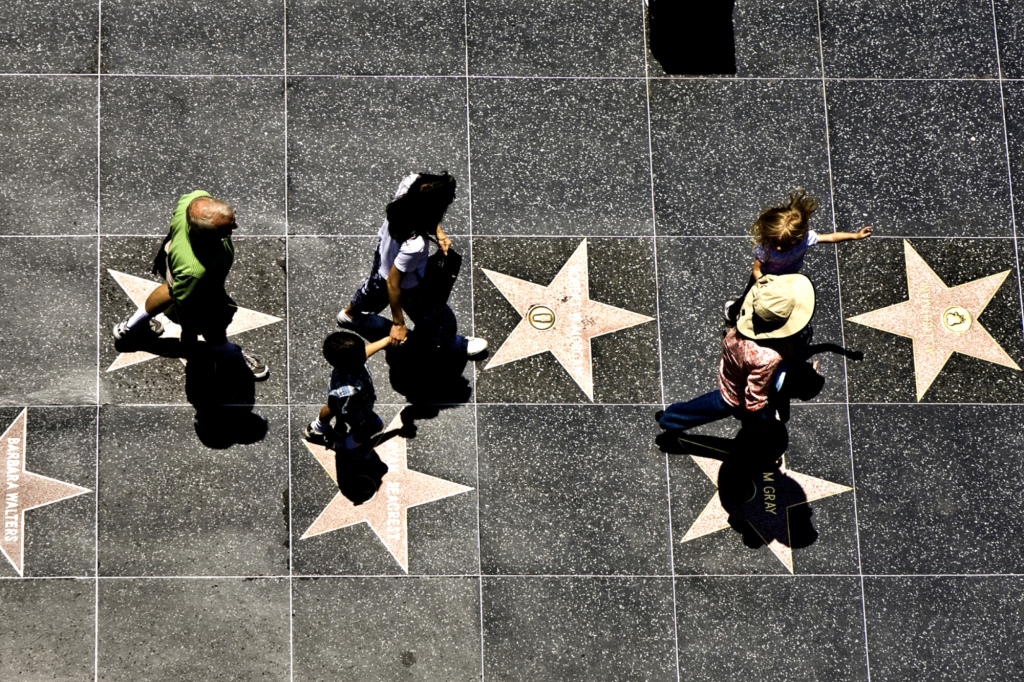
x: 940, y: 320
x: 387, y: 512
x: 139, y: 289
x: 24, y: 491
x: 777, y: 491
x: 559, y: 318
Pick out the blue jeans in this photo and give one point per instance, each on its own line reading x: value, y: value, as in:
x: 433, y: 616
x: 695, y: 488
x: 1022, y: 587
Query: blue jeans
x: 707, y: 408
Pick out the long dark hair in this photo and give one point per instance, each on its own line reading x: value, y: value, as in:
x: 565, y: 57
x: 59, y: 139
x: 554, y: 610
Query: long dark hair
x: 419, y: 211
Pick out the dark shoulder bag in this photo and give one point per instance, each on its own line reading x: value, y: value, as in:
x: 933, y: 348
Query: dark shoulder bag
x: 440, y: 275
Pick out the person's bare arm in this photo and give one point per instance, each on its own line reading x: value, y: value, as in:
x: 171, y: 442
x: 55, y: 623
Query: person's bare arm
x: 835, y: 237
x: 378, y: 345
x: 443, y: 240
x: 398, y: 330
x: 757, y: 270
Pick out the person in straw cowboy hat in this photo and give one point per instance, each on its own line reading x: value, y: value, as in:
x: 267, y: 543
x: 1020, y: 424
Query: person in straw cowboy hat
x: 775, y: 309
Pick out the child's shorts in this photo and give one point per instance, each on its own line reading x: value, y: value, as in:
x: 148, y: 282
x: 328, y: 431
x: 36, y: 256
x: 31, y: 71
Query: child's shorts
x: 361, y: 425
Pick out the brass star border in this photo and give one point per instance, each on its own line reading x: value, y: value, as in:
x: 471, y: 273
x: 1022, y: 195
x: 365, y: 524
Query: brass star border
x: 940, y: 320
x: 387, y: 512
x: 25, y: 491
x: 560, y: 318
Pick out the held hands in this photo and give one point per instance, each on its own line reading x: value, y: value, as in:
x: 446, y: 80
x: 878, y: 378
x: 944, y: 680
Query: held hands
x: 398, y: 332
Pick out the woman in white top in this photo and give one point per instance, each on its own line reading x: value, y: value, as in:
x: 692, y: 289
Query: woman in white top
x: 403, y: 243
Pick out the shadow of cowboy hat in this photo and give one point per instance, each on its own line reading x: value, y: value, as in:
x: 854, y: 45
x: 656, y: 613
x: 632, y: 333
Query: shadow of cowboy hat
x: 776, y: 307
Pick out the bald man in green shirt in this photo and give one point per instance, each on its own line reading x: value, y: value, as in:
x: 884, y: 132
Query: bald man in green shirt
x: 199, y: 254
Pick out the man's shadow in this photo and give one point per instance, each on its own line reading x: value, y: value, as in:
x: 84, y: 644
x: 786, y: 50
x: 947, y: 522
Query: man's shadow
x: 223, y: 393
x: 762, y: 502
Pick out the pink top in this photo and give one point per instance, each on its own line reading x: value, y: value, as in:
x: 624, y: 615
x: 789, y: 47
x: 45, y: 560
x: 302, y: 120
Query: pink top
x: 748, y: 369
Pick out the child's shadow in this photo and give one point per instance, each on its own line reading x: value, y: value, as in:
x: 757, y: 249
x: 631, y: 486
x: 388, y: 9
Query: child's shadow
x: 361, y: 474
x: 762, y: 502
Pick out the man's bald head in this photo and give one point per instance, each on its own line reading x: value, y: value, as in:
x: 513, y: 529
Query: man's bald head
x: 209, y: 216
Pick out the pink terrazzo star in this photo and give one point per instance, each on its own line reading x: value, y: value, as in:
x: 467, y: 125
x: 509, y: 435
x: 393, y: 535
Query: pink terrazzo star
x: 23, y: 491
x: 940, y: 320
x: 387, y: 512
x: 139, y: 289
x: 768, y: 512
x: 559, y: 318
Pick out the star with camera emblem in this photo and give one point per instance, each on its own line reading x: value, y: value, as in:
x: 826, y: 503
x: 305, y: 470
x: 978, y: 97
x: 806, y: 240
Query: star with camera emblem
x: 940, y: 320
x: 560, y: 318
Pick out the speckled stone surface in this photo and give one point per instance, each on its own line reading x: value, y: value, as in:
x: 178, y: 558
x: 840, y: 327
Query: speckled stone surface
x: 256, y: 281
x: 60, y: 538
x: 1010, y: 25
x: 325, y: 273
x: 161, y: 138
x: 533, y: 523
x: 360, y: 38
x: 44, y: 616
x: 429, y: 629
x: 915, y: 39
x: 49, y: 37
x: 874, y: 276
x: 804, y: 630
x: 564, y: 628
x: 48, y: 141
x: 1013, y: 93
x: 560, y: 157
x: 919, y: 158
x: 193, y: 629
x: 822, y: 542
x: 549, y: 477
x: 723, y: 150
x: 441, y: 534
x: 48, y: 361
x: 772, y: 40
x: 533, y: 38
x: 193, y: 37
x: 624, y: 363
x: 351, y: 141
x: 941, y: 496
x: 944, y: 628
x: 178, y: 507
x: 697, y: 276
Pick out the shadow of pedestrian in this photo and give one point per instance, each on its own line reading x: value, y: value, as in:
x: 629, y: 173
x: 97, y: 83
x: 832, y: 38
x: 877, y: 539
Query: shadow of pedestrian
x: 764, y: 504
x: 694, y: 38
x: 361, y: 473
x: 223, y: 393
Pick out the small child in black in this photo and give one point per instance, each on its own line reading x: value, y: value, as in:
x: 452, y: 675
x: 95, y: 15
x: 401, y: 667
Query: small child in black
x: 350, y: 397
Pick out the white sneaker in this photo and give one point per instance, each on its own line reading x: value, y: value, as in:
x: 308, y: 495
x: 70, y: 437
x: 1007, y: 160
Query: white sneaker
x: 475, y: 346
x: 725, y: 312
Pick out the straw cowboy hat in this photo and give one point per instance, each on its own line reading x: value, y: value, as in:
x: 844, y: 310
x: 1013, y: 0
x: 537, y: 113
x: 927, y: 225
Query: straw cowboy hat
x: 776, y: 306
